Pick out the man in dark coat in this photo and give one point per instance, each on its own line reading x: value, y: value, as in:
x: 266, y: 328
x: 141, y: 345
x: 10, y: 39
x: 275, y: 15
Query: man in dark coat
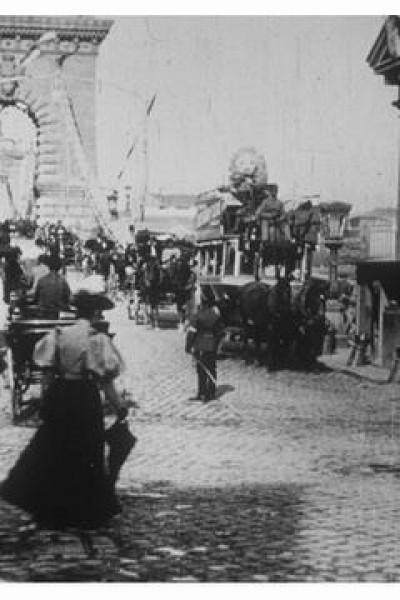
x: 52, y: 293
x: 204, y: 334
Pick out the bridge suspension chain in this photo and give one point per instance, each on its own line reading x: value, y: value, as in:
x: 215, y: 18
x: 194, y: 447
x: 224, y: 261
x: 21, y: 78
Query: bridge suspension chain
x: 94, y: 194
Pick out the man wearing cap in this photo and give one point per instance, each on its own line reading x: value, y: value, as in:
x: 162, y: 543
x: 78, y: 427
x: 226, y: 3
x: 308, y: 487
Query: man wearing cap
x: 204, y: 334
x: 52, y: 293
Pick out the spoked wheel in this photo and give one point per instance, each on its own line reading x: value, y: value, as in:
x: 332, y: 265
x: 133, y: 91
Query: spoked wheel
x: 15, y: 395
x: 21, y: 407
x: 16, y: 401
x: 9, y: 379
x: 16, y: 391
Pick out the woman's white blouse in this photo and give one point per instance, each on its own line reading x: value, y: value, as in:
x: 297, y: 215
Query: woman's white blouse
x: 81, y: 350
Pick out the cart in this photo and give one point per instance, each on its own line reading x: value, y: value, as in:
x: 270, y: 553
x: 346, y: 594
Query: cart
x: 21, y: 336
x: 23, y: 332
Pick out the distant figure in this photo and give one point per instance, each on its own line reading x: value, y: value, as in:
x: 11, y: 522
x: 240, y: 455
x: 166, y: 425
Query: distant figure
x: 52, y: 291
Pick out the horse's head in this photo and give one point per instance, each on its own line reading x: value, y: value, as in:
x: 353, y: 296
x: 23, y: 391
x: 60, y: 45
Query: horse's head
x: 152, y: 272
x: 311, y: 299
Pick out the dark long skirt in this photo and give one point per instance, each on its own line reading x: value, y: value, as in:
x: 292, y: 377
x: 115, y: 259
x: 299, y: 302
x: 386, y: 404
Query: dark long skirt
x: 60, y: 476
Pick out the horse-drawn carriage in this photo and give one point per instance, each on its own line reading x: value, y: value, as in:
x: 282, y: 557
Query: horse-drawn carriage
x: 24, y: 329
x: 59, y: 241
x: 255, y: 262
x: 21, y: 336
x: 164, y: 275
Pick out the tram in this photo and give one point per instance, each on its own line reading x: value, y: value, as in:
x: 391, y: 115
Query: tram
x: 238, y: 243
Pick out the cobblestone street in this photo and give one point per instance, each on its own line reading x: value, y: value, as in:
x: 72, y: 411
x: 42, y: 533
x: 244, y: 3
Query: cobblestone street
x: 287, y: 476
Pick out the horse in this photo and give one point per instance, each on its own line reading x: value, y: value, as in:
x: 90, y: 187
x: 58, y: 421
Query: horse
x: 149, y: 281
x: 311, y: 325
x: 181, y: 280
x: 279, y: 303
x: 266, y: 316
x: 291, y: 324
x: 253, y: 310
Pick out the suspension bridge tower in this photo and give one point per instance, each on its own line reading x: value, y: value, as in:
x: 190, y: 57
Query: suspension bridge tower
x: 48, y: 71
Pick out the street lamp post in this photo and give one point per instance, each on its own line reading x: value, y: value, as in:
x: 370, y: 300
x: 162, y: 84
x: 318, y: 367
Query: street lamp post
x: 145, y: 167
x: 128, y: 193
x: 333, y: 223
x: 149, y: 108
x: 145, y: 157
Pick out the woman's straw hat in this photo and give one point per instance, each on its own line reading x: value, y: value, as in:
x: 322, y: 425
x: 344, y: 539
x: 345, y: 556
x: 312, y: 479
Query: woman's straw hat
x: 90, y: 296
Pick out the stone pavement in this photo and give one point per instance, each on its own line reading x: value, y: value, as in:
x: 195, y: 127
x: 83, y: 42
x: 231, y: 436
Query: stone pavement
x: 287, y: 476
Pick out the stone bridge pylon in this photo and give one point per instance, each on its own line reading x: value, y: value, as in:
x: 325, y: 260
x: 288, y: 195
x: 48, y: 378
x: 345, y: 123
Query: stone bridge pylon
x: 55, y: 85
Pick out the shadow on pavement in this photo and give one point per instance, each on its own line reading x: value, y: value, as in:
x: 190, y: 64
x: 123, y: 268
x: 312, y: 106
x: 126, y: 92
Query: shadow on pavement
x: 359, y: 376
x: 385, y: 468
x: 243, y: 533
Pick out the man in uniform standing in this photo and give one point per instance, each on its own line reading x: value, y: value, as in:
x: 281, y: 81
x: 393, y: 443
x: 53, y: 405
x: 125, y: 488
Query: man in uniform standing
x: 204, y: 334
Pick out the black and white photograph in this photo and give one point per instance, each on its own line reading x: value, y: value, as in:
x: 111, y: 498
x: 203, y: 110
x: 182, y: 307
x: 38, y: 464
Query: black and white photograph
x: 199, y: 298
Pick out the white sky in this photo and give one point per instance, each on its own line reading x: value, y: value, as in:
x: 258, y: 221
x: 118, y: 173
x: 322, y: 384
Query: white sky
x: 297, y: 88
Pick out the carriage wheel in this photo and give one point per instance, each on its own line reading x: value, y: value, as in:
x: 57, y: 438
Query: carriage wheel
x: 15, y: 388
x: 16, y: 402
x: 10, y: 370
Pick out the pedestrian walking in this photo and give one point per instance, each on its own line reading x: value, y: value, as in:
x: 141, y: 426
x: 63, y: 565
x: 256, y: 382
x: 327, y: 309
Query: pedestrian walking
x: 60, y: 477
x: 203, y: 336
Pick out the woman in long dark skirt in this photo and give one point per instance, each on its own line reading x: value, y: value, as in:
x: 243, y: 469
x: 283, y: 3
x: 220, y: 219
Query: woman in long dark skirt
x: 60, y: 478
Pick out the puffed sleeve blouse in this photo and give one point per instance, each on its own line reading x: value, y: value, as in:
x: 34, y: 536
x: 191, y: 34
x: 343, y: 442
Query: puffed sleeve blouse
x: 78, y: 351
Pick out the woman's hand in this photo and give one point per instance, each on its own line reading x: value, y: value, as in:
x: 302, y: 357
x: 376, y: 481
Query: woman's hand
x: 119, y: 401
x: 116, y: 400
x: 48, y: 377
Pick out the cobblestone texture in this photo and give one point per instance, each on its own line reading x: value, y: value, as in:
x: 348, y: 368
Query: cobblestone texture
x: 287, y: 476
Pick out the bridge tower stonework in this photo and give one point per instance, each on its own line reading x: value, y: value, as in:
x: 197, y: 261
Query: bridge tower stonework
x: 66, y: 60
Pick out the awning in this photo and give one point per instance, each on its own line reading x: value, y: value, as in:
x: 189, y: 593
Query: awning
x: 225, y: 198
x: 387, y: 272
x: 230, y: 200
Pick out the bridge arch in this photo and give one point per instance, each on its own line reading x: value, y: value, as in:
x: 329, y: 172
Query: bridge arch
x: 59, y: 182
